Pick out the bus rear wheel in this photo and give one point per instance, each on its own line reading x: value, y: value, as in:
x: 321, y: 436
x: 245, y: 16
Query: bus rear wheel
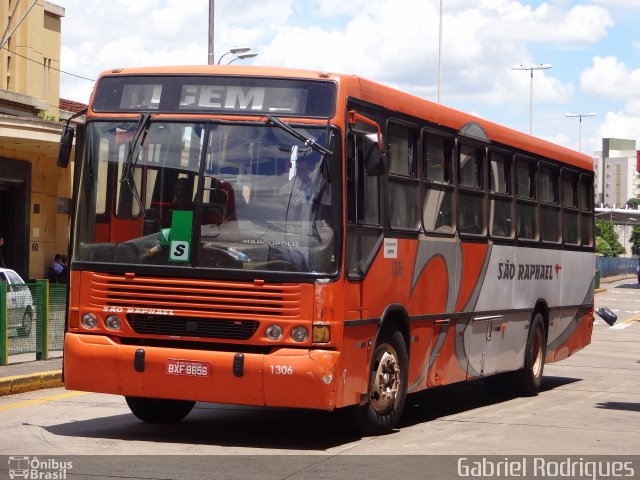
x: 388, y: 378
x: 527, y: 381
x: 159, y: 410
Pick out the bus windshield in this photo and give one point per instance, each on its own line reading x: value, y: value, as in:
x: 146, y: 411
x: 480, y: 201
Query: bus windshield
x: 207, y: 195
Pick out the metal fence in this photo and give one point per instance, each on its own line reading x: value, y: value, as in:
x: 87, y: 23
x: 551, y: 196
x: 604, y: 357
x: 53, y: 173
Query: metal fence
x: 32, y: 318
x: 612, y: 266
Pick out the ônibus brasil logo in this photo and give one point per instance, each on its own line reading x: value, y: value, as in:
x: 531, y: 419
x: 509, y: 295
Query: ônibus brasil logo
x: 36, y: 469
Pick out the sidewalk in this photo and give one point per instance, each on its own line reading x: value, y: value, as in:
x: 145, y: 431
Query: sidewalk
x: 29, y: 375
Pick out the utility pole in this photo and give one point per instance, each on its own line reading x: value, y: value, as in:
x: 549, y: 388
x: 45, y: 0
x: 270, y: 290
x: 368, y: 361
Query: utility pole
x: 212, y: 7
x: 440, y: 53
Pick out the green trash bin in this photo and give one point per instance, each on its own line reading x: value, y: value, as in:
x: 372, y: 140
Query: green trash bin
x: 596, y: 284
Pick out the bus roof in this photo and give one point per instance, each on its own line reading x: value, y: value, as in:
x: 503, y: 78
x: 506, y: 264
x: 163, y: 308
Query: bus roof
x: 387, y: 97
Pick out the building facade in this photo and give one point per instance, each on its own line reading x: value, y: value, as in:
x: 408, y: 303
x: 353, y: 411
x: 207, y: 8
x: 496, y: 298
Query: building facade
x: 616, y: 176
x: 34, y: 192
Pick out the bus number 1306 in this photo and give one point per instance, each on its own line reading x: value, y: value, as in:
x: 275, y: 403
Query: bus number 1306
x: 281, y: 369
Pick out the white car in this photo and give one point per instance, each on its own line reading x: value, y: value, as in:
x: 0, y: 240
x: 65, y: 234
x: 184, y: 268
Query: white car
x: 20, y: 308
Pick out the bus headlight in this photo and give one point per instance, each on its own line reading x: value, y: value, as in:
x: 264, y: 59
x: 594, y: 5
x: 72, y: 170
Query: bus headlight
x: 299, y: 334
x: 274, y: 332
x: 321, y: 333
x: 89, y: 321
x: 112, y: 322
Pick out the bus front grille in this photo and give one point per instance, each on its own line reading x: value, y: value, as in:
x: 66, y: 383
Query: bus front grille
x: 193, y: 326
x: 191, y: 298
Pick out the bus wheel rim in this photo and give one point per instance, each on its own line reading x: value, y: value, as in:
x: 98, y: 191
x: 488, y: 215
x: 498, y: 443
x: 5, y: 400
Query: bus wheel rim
x: 537, y: 353
x: 386, y: 382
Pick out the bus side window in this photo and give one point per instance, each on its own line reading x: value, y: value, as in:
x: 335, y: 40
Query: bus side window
x: 570, y: 231
x: 549, y: 204
x: 437, y: 208
x: 471, y: 211
x: 403, y: 194
x: 501, y: 210
x: 526, y: 208
x: 363, y: 217
x: 586, y: 208
x: 363, y: 191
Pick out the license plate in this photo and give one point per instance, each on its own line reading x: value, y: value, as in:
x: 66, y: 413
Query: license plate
x: 189, y: 368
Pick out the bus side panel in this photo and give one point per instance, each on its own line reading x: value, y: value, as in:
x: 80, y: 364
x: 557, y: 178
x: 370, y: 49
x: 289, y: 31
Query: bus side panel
x: 575, y: 338
x: 353, y: 379
x: 420, y: 359
x: 556, y: 278
x: 449, y: 365
x: 473, y: 258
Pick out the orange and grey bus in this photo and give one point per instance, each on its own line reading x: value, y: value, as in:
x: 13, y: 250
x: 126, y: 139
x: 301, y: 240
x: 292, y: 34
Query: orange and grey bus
x: 276, y: 237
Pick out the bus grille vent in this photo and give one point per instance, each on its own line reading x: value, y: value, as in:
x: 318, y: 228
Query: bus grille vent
x: 193, y: 326
x: 208, y: 299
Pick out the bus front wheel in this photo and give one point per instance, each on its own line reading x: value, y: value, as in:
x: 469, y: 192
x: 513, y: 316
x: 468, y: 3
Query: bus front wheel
x: 158, y: 410
x: 527, y: 381
x: 388, y: 378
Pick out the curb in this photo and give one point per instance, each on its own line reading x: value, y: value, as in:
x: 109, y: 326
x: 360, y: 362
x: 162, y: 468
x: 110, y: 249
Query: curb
x: 31, y: 382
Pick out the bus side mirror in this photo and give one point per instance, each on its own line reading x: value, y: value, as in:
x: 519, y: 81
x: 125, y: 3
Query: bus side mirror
x: 373, y: 161
x: 66, y: 144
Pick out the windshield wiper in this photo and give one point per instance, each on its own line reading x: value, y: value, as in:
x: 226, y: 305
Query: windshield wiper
x: 135, y: 143
x: 303, y: 138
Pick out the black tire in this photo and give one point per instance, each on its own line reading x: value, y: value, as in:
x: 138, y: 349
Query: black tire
x: 387, y: 390
x: 27, y: 321
x: 527, y: 381
x: 158, y: 410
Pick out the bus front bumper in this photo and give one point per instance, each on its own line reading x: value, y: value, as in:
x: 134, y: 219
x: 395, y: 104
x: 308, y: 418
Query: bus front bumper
x: 287, y: 377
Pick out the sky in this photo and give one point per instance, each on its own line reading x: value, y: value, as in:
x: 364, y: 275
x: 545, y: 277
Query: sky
x: 592, y: 45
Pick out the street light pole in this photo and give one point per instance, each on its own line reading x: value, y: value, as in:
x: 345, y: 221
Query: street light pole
x: 440, y: 52
x: 212, y: 7
x: 531, y: 68
x: 626, y: 225
x: 579, y: 116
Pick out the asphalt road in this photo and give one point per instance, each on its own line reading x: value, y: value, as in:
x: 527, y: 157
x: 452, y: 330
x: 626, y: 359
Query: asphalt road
x: 589, y: 405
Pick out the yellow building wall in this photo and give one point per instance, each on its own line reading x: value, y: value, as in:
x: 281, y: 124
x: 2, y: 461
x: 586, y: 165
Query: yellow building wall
x: 38, y: 38
x: 49, y: 229
x: 32, y: 70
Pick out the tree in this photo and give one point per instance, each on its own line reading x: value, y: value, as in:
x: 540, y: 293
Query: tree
x: 602, y: 247
x: 606, y: 232
x: 633, y: 202
x: 635, y: 241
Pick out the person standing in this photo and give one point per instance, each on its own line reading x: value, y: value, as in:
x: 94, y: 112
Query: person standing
x: 2, y: 264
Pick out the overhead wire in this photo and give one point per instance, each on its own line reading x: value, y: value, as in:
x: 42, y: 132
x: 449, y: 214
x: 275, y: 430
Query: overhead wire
x: 52, y: 68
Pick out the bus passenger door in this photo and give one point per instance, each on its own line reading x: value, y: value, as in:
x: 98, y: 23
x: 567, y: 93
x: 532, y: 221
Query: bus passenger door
x: 363, y: 239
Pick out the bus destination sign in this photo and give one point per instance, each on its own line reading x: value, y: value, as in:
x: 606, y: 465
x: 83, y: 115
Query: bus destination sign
x: 214, y: 94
